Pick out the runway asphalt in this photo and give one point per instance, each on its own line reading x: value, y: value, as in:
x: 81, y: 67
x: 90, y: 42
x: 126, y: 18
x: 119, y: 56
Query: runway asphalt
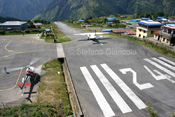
x: 118, y: 77
x: 18, y: 51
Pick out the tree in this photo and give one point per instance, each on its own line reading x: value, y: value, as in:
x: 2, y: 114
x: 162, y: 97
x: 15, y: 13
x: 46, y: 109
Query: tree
x: 105, y: 20
x: 161, y: 13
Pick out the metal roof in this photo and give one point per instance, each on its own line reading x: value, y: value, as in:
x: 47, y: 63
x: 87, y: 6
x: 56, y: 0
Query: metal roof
x: 150, y: 23
x: 135, y: 20
x: 159, y: 17
x: 47, y: 30
x: 107, y: 30
x: 14, y: 23
x: 81, y: 20
x: 169, y: 27
x: 129, y: 31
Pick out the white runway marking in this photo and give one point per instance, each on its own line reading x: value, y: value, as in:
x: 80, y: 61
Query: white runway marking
x: 140, y: 86
x: 165, y: 64
x: 167, y: 60
x: 60, y: 51
x: 111, y: 90
x: 160, y: 67
x: 135, y: 99
x: 105, y: 107
x: 160, y: 75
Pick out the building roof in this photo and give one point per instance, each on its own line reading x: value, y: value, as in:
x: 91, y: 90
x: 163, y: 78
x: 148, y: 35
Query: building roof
x: 37, y: 24
x: 14, y: 23
x: 130, y: 31
x: 144, y: 18
x: 159, y: 17
x: 135, y: 20
x: 47, y: 30
x: 81, y: 20
x: 158, y: 32
x: 150, y: 23
x: 169, y: 26
x: 111, y: 19
x: 107, y: 30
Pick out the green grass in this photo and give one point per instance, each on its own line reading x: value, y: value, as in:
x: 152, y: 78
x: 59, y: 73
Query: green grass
x: 53, y: 87
x: 151, y: 45
x: 60, y: 36
x: 75, y: 24
x: 30, y: 110
x: 18, y: 33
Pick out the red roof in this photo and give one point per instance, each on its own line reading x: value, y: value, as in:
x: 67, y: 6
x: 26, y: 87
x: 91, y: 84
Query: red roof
x: 130, y: 31
x: 169, y: 27
x: 157, y: 32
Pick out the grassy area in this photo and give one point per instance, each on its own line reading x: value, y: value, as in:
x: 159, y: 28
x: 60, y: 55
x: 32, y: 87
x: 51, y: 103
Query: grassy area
x: 151, y: 45
x: 30, y: 110
x: 53, y: 87
x: 53, y: 100
x: 60, y: 36
x: 45, y: 26
x: 74, y: 24
x: 18, y: 33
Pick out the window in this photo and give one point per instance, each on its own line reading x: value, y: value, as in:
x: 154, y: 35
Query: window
x: 152, y: 32
x: 139, y: 35
x: 144, y: 31
x: 143, y: 36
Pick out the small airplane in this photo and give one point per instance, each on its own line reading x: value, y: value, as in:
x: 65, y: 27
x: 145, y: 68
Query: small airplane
x: 30, y: 72
x: 91, y: 36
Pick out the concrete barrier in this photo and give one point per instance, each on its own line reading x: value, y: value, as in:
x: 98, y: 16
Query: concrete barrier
x: 76, y: 107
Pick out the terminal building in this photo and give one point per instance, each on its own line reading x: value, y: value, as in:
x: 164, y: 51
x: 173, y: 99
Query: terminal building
x: 13, y: 25
x: 147, y: 28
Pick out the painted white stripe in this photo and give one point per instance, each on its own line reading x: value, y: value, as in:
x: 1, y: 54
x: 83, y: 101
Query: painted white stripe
x: 60, y: 51
x: 160, y: 75
x: 135, y: 99
x: 111, y: 90
x: 167, y: 60
x: 165, y: 64
x: 105, y: 107
x: 160, y: 67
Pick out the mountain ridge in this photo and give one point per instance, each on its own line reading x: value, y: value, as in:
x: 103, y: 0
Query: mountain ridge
x: 70, y: 9
x: 53, y: 10
x: 22, y: 9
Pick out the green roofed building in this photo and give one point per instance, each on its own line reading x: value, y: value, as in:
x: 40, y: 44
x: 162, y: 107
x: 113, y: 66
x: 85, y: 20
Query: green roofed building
x: 113, y: 20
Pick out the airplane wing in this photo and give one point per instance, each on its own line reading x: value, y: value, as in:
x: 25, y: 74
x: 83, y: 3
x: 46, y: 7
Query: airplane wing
x: 99, y: 36
x: 87, y: 34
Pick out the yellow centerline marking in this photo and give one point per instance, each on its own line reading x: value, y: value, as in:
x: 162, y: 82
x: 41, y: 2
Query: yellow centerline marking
x: 15, y: 84
x: 7, y: 45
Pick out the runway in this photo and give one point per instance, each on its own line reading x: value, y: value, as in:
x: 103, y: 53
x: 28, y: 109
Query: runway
x: 118, y: 77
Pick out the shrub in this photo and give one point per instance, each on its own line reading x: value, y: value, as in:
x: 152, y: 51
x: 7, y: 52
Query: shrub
x: 27, y: 31
x: 2, y: 32
x: 119, y: 25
